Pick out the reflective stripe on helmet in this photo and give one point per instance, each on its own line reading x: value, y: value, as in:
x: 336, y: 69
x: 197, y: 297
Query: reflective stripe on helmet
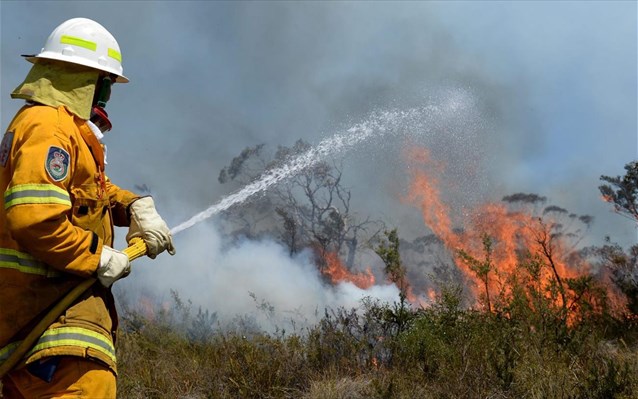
x: 78, y: 41
x: 115, y: 55
x: 69, y: 42
x: 65, y: 336
x: 25, y: 263
x: 35, y: 194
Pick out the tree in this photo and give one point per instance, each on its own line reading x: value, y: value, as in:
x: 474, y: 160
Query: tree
x: 624, y: 270
x: 309, y: 210
x: 482, y: 268
x: 622, y: 191
x: 388, y: 251
x: 530, y: 254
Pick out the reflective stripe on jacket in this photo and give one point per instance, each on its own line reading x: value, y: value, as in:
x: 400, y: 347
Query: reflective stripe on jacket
x: 58, y: 210
x: 66, y: 337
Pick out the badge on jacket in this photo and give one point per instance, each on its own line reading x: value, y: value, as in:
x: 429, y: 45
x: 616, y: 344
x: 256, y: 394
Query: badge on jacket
x: 57, y: 164
x: 5, y: 148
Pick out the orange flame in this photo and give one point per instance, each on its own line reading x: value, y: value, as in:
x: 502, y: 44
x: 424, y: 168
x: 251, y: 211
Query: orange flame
x: 431, y: 294
x: 508, y: 230
x: 417, y: 299
x: 146, y: 307
x: 337, y: 272
x: 509, y: 233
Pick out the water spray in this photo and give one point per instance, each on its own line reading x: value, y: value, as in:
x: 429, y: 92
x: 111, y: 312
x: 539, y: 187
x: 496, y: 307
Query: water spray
x: 378, y: 124
x: 453, y: 104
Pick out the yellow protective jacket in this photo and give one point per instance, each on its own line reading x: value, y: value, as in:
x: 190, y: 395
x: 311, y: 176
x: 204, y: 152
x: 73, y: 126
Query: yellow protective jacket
x: 58, y: 210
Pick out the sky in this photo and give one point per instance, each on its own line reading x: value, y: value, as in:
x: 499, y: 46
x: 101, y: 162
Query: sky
x: 548, y: 94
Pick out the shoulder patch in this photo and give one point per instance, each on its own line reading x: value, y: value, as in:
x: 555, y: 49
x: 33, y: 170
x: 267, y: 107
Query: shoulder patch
x: 57, y: 163
x: 5, y: 148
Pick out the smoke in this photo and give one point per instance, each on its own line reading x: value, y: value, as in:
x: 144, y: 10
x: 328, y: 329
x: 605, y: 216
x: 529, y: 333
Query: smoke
x: 211, y: 78
x: 255, y: 280
x: 554, y: 107
x: 259, y: 279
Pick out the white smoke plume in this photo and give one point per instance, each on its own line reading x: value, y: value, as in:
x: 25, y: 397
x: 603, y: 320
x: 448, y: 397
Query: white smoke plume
x: 253, y: 279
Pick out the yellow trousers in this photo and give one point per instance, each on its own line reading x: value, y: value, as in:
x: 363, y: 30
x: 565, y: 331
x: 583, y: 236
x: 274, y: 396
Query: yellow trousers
x: 75, y: 377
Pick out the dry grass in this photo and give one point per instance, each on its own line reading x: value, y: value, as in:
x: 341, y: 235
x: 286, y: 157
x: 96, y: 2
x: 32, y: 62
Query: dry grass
x: 341, y: 388
x: 443, y: 352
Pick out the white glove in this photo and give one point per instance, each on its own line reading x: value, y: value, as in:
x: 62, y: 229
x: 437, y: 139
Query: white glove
x: 113, y: 266
x: 147, y: 224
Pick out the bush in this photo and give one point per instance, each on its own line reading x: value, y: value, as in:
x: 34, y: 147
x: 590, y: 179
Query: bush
x: 382, y: 351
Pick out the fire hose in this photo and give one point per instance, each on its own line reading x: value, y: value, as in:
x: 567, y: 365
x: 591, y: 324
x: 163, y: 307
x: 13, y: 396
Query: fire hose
x: 136, y: 249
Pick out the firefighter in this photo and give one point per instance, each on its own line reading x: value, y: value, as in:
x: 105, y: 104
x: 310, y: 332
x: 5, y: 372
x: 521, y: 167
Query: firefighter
x: 57, y: 216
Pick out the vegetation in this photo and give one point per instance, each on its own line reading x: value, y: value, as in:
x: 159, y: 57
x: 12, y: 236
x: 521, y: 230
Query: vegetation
x: 537, y: 333
x: 311, y: 210
x: 530, y: 332
x: 385, y: 351
x: 622, y: 191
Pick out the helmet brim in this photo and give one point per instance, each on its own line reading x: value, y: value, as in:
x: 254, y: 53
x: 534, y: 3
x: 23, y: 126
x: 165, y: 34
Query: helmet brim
x: 33, y: 58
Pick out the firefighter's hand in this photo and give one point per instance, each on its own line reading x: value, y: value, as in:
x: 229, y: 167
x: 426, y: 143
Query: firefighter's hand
x: 147, y: 224
x: 113, y: 266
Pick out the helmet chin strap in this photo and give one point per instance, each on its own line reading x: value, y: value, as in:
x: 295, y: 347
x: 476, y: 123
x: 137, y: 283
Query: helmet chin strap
x: 98, y: 114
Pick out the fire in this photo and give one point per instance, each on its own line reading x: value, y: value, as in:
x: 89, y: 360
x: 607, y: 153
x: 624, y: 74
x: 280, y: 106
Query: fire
x: 489, y: 244
x: 418, y: 300
x: 337, y: 272
x: 493, y: 244
x: 149, y: 308
x: 146, y: 307
x: 431, y: 294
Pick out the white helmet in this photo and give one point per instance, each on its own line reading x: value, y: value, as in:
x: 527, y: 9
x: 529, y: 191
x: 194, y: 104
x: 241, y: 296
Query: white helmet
x: 85, y: 42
